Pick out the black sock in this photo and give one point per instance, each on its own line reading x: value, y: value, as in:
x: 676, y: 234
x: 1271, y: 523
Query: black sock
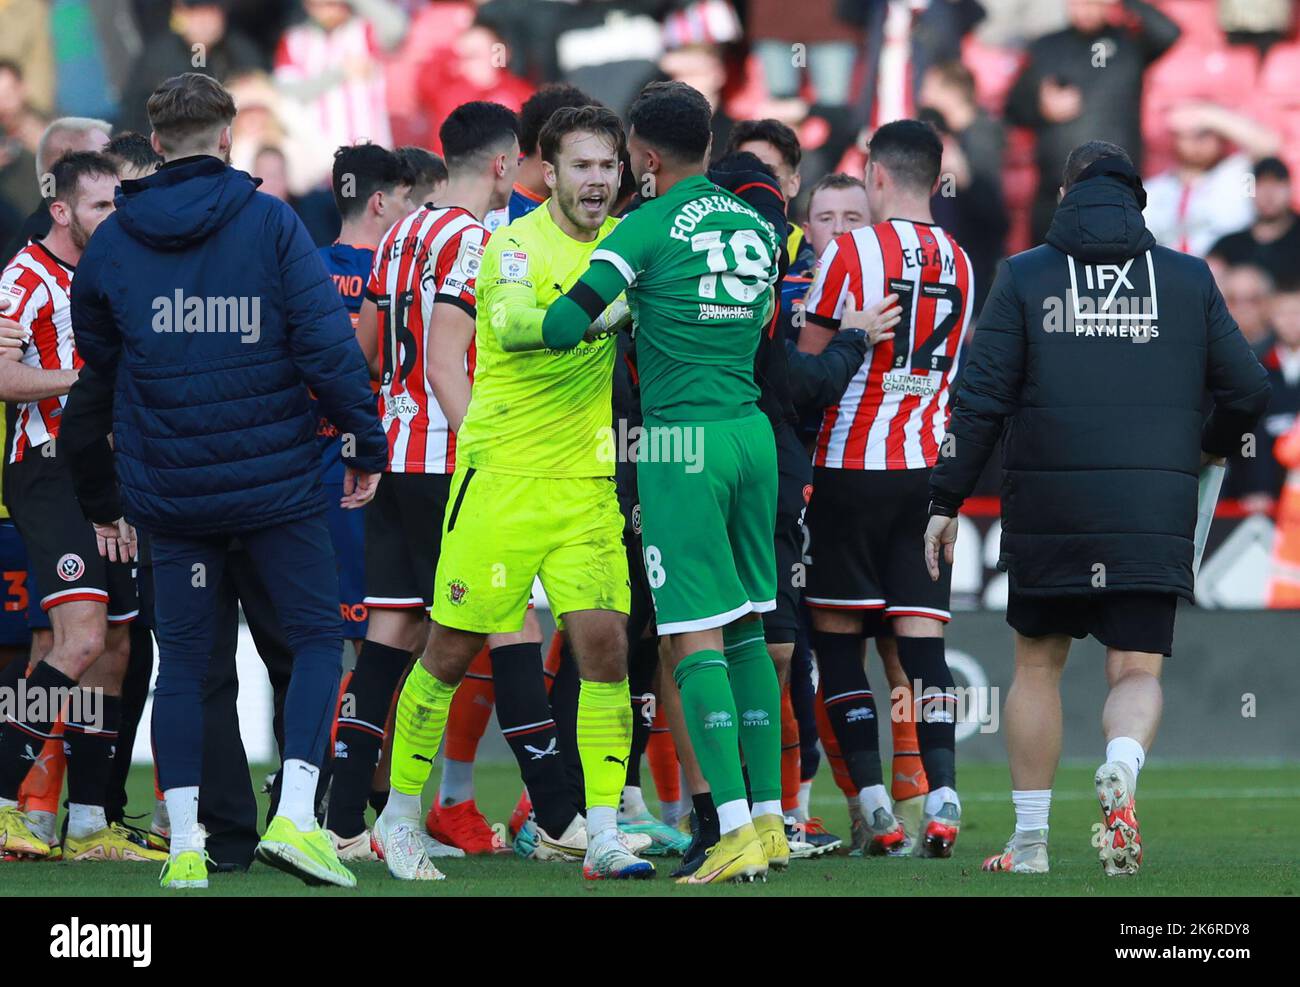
x: 91, y: 748
x: 22, y: 737
x: 923, y: 662
x: 706, y: 816
x: 524, y: 713
x: 378, y: 800
x: 362, y: 715
x: 564, y: 707
x: 643, y: 662
x: 850, y: 704
x: 135, y: 691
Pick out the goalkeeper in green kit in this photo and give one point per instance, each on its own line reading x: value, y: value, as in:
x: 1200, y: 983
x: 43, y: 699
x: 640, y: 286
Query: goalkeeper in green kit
x: 698, y: 265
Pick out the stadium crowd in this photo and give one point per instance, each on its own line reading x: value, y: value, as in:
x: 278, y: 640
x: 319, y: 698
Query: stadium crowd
x: 377, y: 92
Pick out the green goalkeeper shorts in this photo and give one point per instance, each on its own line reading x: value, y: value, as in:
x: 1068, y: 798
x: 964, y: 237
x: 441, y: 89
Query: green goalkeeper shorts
x: 708, y: 513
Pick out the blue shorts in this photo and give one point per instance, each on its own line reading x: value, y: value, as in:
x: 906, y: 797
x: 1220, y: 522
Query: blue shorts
x: 15, y: 587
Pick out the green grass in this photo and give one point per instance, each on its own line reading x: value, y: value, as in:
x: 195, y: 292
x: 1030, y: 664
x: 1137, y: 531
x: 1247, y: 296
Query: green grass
x: 1210, y: 829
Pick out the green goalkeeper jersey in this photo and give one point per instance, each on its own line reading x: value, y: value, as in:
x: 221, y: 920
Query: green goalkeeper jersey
x: 698, y: 264
x: 542, y: 412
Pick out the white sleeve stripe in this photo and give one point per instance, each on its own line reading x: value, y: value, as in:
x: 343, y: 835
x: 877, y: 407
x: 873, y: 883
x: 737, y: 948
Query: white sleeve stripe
x: 619, y: 263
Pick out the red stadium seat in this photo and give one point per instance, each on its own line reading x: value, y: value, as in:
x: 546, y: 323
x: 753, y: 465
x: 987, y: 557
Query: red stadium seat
x: 1279, y: 76
x: 995, y: 70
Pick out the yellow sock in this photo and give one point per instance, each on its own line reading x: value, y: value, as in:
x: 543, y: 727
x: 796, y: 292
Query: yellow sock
x: 417, y: 729
x: 604, y: 739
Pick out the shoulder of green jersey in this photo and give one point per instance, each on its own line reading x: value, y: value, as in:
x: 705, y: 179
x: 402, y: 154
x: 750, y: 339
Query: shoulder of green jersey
x: 620, y: 265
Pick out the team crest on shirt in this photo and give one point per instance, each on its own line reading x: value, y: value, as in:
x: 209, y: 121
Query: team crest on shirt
x: 456, y: 592
x: 514, y: 265
x: 636, y: 518
x: 70, y: 567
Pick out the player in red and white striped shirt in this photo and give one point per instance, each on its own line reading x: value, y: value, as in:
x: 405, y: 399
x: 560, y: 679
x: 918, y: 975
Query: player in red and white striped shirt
x: 90, y: 600
x: 875, y: 450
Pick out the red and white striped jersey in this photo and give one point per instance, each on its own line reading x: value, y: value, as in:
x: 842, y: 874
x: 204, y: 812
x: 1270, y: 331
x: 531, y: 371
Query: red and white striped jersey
x: 433, y: 255
x: 895, y: 410
x: 35, y: 288
x: 355, y: 109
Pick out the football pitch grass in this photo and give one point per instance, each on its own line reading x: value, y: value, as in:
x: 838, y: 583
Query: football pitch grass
x: 1209, y: 829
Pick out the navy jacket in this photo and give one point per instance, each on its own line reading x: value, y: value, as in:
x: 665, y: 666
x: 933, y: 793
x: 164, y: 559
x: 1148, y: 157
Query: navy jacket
x: 1091, y: 358
x: 206, y: 303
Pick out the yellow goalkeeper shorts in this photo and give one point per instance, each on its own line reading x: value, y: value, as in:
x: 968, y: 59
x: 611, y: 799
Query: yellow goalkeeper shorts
x: 500, y: 531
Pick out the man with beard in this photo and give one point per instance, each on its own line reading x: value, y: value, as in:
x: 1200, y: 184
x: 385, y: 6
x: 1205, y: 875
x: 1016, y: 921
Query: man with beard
x: 531, y: 496
x: 91, y: 600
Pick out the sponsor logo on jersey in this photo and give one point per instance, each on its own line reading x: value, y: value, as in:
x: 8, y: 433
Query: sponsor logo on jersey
x: 456, y: 592
x: 340, y: 749
x: 470, y: 258
x: 713, y: 313
x: 755, y: 718
x: 71, y: 568
x: 904, y: 382
x: 718, y: 718
x: 859, y: 714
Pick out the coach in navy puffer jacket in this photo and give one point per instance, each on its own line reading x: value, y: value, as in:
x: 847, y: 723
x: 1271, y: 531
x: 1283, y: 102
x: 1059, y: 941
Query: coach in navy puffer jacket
x: 212, y: 426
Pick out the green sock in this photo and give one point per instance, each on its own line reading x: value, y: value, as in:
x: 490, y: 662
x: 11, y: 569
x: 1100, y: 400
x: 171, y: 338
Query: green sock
x: 758, y: 698
x: 604, y: 740
x: 710, y: 714
x: 417, y: 729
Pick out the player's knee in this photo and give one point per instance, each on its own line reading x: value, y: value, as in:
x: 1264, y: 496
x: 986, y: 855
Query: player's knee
x: 1121, y: 665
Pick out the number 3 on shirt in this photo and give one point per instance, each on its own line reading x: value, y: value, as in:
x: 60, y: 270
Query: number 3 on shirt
x: 750, y: 260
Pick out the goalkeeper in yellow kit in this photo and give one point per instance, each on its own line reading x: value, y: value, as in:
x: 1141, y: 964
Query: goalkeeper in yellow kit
x: 532, y: 496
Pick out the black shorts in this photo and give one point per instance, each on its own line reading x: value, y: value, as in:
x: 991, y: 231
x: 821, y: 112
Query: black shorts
x: 403, y: 539
x: 867, y: 531
x: 63, y: 555
x: 1124, y: 621
x: 794, y: 487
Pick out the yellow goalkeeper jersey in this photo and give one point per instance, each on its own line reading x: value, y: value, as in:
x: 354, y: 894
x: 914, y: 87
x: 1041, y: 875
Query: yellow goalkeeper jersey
x: 543, y: 412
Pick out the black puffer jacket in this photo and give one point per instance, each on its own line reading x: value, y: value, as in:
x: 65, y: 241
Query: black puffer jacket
x: 1103, y: 417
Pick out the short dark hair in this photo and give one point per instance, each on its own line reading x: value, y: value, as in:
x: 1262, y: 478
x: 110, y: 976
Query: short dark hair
x: 910, y: 151
x: 674, y: 118
x: 1272, y: 167
x: 186, y: 106
x: 425, y: 167
x: 592, y: 119
x: 837, y: 180
x: 743, y: 161
x: 1087, y: 153
x: 773, y: 132
x: 72, y: 167
x: 475, y: 128
x: 539, y: 107
x: 361, y: 170
x: 133, y: 149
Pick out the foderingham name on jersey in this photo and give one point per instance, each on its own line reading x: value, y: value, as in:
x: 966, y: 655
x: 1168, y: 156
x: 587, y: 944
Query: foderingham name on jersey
x: 895, y: 410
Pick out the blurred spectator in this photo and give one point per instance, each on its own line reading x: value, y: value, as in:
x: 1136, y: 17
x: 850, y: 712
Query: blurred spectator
x: 316, y: 208
x: 969, y: 205
x: 817, y: 39
x: 25, y: 41
x: 1257, y: 479
x: 1085, y: 83
x: 428, y: 174
x: 429, y: 42
x: 330, y: 64
x: 1272, y: 241
x: 478, y: 69
x: 702, y: 68
x: 1207, y: 194
x: 61, y: 136
x: 134, y: 155
x: 197, y: 42
x: 903, y: 39
x: 18, y: 121
x: 1247, y: 289
x: 265, y: 119
x: 1284, y: 587
x: 610, y: 47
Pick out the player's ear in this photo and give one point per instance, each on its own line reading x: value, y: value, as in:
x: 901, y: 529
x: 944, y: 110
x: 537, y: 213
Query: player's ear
x: 60, y: 213
x: 548, y: 174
